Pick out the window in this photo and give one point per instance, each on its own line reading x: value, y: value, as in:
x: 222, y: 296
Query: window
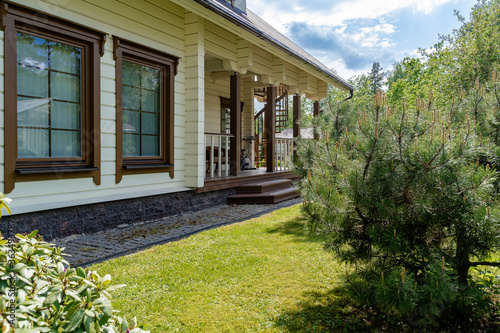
x: 51, y: 98
x: 144, y: 109
x: 225, y: 114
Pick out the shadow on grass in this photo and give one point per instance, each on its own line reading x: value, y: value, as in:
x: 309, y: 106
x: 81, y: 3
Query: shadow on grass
x: 333, y: 311
x: 297, y: 226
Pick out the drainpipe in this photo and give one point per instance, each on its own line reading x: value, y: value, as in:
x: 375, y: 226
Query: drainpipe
x: 351, y: 92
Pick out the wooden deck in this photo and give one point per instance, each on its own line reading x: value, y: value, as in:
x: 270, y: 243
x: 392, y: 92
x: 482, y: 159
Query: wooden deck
x: 246, y: 176
x: 264, y: 192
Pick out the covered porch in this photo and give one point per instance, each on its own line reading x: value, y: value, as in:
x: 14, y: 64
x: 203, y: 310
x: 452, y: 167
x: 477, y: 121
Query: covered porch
x: 230, y: 138
x: 263, y: 153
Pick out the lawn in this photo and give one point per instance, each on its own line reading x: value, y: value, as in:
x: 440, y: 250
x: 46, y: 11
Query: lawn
x: 265, y: 274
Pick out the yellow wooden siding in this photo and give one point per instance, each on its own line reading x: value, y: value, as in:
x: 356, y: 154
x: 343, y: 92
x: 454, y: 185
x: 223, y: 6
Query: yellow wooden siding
x: 220, y: 42
x: 194, y: 100
x: 213, y: 92
x: 247, y: 125
x: 262, y: 62
x: 292, y: 74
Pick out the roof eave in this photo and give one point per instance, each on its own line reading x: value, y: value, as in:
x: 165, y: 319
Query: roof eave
x: 338, y: 81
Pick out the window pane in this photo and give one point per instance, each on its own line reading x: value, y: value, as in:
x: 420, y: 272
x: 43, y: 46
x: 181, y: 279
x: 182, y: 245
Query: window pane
x: 65, y: 58
x: 32, y: 82
x: 32, y: 112
x: 65, y: 87
x: 131, y: 145
x: 141, y: 93
x: 32, y: 52
x: 225, y: 120
x: 150, y: 123
x: 50, y: 70
x: 65, y: 115
x: 131, y: 98
x: 131, y: 74
x: 150, y: 145
x: 150, y: 78
x: 32, y: 143
x: 150, y: 101
x: 65, y: 143
x: 131, y: 122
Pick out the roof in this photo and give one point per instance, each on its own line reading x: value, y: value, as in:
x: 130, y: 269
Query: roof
x: 253, y: 23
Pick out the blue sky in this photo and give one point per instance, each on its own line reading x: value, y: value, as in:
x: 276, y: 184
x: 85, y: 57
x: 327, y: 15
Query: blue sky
x: 349, y: 35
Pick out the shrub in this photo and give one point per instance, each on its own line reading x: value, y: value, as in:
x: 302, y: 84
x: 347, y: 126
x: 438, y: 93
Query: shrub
x: 39, y: 292
x: 406, y: 193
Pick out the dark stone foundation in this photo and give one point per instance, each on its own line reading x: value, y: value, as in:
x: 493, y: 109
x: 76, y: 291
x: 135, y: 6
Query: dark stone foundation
x: 92, y: 218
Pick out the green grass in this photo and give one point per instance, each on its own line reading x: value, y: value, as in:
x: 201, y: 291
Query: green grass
x: 265, y: 274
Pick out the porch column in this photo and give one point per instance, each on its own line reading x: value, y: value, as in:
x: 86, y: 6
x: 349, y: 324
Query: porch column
x: 235, y: 119
x: 316, y: 114
x: 296, y: 116
x: 270, y: 120
x: 195, y: 100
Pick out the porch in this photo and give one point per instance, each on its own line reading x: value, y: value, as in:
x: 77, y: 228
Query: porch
x: 253, y: 163
x: 244, y: 118
x: 230, y: 181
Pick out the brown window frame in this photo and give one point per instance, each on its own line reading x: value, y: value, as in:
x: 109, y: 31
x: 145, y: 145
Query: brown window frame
x: 14, y: 19
x: 140, y: 54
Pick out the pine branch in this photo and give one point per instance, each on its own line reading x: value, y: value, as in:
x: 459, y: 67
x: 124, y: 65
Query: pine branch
x: 484, y: 263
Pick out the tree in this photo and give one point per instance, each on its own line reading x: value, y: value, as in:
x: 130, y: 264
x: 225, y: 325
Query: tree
x: 408, y: 80
x: 408, y: 190
x: 377, y: 77
x: 470, y: 53
x: 401, y: 194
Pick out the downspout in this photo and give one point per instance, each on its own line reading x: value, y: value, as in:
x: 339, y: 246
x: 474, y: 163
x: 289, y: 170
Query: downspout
x: 351, y: 94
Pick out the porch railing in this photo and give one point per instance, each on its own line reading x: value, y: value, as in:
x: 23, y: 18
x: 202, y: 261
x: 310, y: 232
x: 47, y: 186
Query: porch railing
x: 217, y: 154
x: 283, y: 154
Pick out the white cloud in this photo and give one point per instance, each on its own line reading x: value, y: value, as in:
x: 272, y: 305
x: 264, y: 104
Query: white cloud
x: 375, y: 8
x: 382, y: 27
x: 346, y: 35
x: 327, y: 12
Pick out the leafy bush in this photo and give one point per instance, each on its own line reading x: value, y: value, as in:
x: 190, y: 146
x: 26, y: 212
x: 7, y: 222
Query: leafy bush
x: 39, y: 292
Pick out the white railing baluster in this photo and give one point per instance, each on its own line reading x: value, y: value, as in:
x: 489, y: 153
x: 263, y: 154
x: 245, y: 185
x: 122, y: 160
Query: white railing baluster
x: 211, y: 160
x: 219, y: 160
x: 284, y: 151
x: 219, y: 142
x: 285, y: 156
x: 227, y: 156
x: 276, y: 164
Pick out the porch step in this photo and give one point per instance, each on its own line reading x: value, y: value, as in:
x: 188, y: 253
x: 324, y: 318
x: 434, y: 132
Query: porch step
x: 264, y: 192
x: 263, y: 186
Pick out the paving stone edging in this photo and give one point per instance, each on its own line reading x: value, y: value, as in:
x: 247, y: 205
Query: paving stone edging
x: 88, y: 249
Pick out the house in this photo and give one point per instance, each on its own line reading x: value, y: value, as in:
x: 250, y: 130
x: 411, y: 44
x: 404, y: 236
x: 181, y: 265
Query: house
x: 116, y: 111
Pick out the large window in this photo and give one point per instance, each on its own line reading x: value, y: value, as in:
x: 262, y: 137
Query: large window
x: 51, y: 98
x: 145, y: 109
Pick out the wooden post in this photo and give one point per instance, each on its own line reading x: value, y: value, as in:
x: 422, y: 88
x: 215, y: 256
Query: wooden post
x: 296, y: 116
x: 235, y: 119
x: 316, y: 114
x: 270, y: 120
